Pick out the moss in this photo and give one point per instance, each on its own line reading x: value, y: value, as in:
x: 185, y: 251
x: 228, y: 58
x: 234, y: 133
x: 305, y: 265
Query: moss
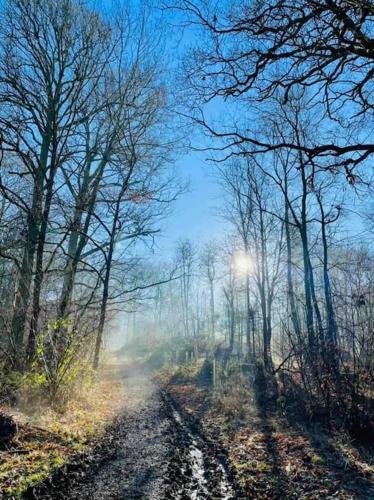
x: 63, y: 435
x: 25, y: 483
x: 241, y: 467
x: 263, y: 467
x: 318, y: 460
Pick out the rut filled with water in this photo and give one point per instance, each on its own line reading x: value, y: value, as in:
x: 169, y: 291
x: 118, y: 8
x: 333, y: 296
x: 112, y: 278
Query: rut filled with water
x: 206, y: 476
x: 151, y: 452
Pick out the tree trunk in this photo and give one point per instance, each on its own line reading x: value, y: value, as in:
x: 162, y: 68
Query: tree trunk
x: 108, y: 269
x: 248, y: 317
x: 78, y: 236
x: 290, y: 288
x: 106, y: 281
x: 331, y: 324
x: 212, y: 319
x: 100, y: 330
x: 23, y: 293
x: 39, y: 271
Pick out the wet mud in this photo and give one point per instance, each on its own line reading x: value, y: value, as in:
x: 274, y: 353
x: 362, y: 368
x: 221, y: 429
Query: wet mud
x: 152, y: 451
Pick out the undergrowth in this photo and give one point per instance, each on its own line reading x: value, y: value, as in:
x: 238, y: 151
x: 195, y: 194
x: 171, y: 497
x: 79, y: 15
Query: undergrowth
x: 48, y: 438
x: 274, y: 456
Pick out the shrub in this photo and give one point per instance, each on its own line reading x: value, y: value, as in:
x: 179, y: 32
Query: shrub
x: 234, y: 398
x: 59, y: 368
x: 10, y: 382
x: 205, y: 375
x: 186, y: 373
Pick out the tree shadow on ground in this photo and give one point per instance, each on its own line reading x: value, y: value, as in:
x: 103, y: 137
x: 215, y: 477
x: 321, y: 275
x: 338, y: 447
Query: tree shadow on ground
x: 353, y: 475
x: 277, y: 455
x: 324, y: 465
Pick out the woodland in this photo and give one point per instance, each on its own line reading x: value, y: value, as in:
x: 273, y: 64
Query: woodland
x: 249, y: 356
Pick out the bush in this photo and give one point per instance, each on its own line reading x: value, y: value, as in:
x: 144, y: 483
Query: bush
x: 59, y: 368
x: 186, y: 373
x: 234, y: 398
x: 10, y: 382
x: 205, y: 374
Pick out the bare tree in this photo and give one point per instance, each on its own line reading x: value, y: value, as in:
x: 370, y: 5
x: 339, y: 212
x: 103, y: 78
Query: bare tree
x: 52, y: 58
x: 208, y: 264
x: 185, y: 257
x: 258, y: 51
x: 239, y: 212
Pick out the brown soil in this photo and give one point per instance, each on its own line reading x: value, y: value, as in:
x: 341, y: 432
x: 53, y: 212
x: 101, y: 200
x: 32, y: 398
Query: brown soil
x: 151, y: 451
x: 274, y: 459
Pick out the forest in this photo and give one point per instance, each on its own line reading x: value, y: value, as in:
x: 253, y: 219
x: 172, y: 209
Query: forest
x: 154, y: 348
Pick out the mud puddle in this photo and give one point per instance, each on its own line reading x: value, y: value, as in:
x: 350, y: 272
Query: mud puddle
x: 151, y: 452
x: 205, y: 476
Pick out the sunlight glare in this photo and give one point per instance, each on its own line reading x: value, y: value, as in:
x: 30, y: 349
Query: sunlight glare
x: 242, y: 263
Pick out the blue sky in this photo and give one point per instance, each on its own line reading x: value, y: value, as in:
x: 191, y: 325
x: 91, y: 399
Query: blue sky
x: 194, y: 212
x: 194, y: 215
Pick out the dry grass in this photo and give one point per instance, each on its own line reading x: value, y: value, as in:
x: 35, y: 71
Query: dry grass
x: 46, y: 440
x: 272, y: 458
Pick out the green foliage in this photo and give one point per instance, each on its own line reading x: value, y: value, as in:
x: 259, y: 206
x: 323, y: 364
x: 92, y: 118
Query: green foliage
x: 186, y: 373
x: 263, y: 467
x: 27, y: 482
x: 59, y: 367
x: 281, y: 402
x: 318, y: 460
x: 34, y: 472
x: 10, y: 382
x: 32, y: 389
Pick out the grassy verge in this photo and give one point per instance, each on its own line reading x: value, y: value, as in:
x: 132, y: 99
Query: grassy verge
x: 47, y: 440
x: 273, y: 457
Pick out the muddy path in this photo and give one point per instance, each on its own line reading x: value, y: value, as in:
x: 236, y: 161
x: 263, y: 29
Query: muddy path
x: 151, y: 451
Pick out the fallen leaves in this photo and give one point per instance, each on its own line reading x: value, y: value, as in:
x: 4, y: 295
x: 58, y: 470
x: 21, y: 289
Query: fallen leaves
x: 273, y: 459
x: 46, y: 441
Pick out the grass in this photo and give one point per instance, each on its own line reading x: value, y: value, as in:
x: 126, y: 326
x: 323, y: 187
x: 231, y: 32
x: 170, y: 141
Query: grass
x: 47, y: 440
x: 274, y: 458
x: 184, y: 373
x: 318, y: 460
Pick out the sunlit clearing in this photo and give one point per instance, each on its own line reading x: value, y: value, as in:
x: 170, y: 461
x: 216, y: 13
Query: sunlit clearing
x: 242, y: 263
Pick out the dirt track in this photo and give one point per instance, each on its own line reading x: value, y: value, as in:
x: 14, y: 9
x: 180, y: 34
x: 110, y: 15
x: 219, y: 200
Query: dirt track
x: 150, y: 452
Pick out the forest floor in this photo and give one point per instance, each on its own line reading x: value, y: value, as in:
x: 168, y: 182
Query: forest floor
x: 272, y: 458
x: 48, y: 440
x: 148, y: 451
x: 160, y: 440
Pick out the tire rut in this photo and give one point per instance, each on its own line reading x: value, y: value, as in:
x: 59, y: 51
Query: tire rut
x: 152, y: 452
x: 201, y: 474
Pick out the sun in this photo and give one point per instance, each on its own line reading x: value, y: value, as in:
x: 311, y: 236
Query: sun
x: 242, y: 263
